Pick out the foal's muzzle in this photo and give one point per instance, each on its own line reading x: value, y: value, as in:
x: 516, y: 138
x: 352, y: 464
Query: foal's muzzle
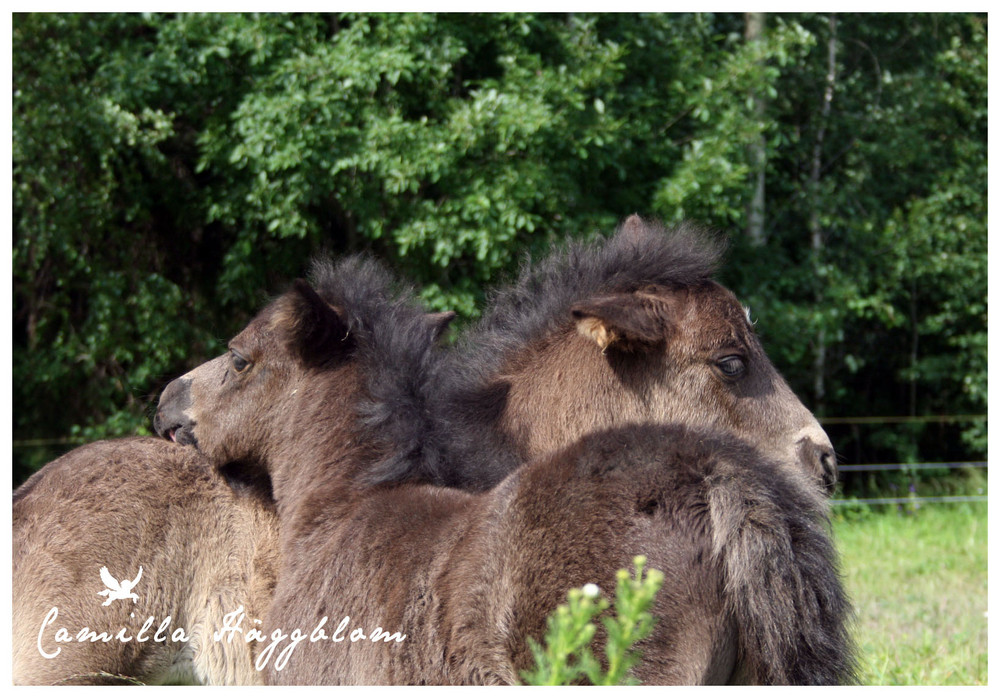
x: 818, y: 454
x: 172, y: 421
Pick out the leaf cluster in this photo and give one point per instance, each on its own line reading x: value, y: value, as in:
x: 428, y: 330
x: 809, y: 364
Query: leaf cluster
x: 567, y: 658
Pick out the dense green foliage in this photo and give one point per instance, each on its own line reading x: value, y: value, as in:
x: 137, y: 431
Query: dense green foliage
x: 171, y: 171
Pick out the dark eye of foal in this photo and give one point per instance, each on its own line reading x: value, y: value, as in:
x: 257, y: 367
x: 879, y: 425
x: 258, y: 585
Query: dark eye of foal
x: 732, y: 366
x: 239, y: 362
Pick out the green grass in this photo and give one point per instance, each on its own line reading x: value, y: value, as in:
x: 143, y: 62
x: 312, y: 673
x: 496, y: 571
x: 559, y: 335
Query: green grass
x: 918, y: 582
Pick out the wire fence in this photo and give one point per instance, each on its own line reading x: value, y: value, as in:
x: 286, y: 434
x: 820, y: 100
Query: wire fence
x: 890, y: 419
x: 910, y: 466
x: 912, y: 499
x: 906, y: 419
x: 872, y: 467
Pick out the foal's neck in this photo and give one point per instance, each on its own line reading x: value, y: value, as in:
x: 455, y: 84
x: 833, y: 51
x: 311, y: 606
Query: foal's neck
x: 563, y: 388
x: 319, y: 451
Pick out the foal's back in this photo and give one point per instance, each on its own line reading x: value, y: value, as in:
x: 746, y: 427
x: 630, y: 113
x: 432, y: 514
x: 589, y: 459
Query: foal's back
x: 752, y: 592
x: 204, y: 550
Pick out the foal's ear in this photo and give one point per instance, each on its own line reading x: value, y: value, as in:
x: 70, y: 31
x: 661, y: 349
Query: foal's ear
x: 632, y: 228
x: 439, y: 322
x: 627, y: 320
x: 638, y: 232
x: 316, y: 331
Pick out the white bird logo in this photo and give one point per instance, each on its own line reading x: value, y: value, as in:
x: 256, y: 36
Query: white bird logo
x: 118, y: 590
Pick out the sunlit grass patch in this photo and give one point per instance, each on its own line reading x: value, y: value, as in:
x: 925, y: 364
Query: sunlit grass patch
x: 918, y: 581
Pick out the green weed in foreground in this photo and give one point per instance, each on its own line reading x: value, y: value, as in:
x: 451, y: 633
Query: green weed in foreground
x: 918, y: 581
x: 566, y: 657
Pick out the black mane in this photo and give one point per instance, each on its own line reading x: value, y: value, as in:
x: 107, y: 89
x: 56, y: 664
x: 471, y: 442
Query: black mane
x: 539, y: 301
x: 394, y: 342
x: 446, y: 435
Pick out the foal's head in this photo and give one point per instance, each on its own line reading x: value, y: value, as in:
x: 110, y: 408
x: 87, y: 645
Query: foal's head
x: 692, y: 356
x: 629, y: 330
x: 316, y: 365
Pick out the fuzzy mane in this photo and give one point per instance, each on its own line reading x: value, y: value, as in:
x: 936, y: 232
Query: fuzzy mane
x: 458, y: 445
x: 539, y: 301
x: 394, y: 342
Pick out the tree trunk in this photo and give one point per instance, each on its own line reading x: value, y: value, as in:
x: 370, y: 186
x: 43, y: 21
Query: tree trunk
x: 815, y: 226
x: 914, y: 346
x: 754, y: 31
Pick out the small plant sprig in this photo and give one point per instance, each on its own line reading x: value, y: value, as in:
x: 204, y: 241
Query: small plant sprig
x: 566, y: 656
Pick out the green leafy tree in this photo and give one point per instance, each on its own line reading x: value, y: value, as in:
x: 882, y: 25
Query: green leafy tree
x: 894, y: 194
x: 170, y: 171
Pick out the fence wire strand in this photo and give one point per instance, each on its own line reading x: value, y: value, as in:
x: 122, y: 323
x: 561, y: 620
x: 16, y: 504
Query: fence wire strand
x: 911, y: 500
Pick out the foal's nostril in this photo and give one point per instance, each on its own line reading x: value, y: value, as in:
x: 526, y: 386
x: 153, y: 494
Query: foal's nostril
x: 828, y: 464
x: 820, y: 459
